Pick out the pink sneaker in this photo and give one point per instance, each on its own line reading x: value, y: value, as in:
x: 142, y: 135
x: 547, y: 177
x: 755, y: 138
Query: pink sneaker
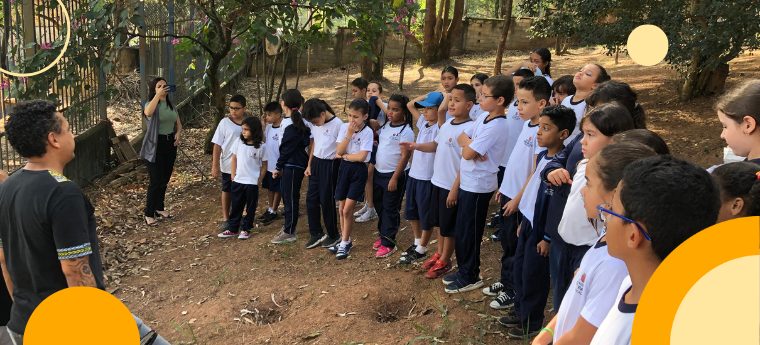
x: 384, y: 252
x: 377, y: 244
x: 226, y: 234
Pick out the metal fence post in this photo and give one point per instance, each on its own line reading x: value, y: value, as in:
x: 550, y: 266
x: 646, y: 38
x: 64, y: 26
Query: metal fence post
x: 170, y: 46
x: 143, y: 57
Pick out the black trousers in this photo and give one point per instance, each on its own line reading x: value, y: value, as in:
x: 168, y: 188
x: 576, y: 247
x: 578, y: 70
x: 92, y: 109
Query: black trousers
x: 531, y: 279
x: 244, y: 196
x: 160, y: 172
x: 472, y: 210
x: 320, y: 197
x: 508, y: 240
x: 292, y: 177
x: 388, y: 206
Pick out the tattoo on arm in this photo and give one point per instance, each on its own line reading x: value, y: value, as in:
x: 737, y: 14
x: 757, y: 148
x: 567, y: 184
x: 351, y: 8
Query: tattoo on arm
x: 78, y: 272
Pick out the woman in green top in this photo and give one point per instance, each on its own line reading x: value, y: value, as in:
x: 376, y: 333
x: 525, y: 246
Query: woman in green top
x: 161, y: 148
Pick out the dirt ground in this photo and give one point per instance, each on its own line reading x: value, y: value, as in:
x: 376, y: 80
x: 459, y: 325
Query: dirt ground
x: 197, y: 289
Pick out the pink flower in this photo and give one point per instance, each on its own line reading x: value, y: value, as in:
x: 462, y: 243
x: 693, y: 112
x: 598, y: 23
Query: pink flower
x: 236, y: 41
x: 175, y: 41
x: 409, y: 2
x: 5, y: 85
x: 46, y: 46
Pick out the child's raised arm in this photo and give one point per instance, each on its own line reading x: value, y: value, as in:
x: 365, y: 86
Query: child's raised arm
x: 415, y: 113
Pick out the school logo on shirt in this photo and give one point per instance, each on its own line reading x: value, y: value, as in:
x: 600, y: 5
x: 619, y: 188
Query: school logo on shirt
x: 451, y: 143
x: 581, y: 284
x: 528, y: 141
x: 276, y: 137
x: 396, y: 136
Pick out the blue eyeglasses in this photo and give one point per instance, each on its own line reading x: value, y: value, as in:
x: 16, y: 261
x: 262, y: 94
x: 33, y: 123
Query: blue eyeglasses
x: 625, y: 219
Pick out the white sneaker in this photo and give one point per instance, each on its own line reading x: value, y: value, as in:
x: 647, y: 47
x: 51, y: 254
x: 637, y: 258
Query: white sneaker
x: 361, y: 211
x: 367, y: 216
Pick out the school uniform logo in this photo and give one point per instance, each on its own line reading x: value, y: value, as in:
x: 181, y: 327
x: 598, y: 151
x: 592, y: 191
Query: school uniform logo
x: 396, y: 136
x: 581, y: 284
x: 276, y: 137
x: 529, y: 141
x: 451, y: 143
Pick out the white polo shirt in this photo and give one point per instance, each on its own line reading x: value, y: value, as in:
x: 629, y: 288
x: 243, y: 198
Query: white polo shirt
x: 515, y: 125
x: 574, y: 226
x: 589, y: 294
x: 360, y: 141
x: 388, y: 148
x: 489, y: 141
x: 616, y: 327
x: 579, y: 108
x: 226, y: 134
x: 521, y: 161
x: 249, y: 158
x: 448, y: 153
x: 422, y: 162
x: 273, y: 137
x: 325, y: 138
x: 527, y: 204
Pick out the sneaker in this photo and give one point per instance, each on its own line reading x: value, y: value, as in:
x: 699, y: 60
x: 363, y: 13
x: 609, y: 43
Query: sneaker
x: 503, y: 301
x: 450, y: 278
x: 438, y: 269
x: 384, y: 252
x: 343, y: 251
x: 409, y: 250
x: 283, y: 237
x: 367, y: 216
x: 521, y: 333
x: 315, y: 241
x: 227, y: 234
x: 244, y: 235
x: 267, y: 217
x: 377, y: 244
x: 511, y: 320
x: 494, y: 289
x: 460, y: 285
x: 495, y: 236
x: 361, y: 210
x: 329, y: 242
x: 431, y: 262
x: 410, y: 257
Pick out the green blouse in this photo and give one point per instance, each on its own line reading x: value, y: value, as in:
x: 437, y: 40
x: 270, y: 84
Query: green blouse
x: 167, y: 117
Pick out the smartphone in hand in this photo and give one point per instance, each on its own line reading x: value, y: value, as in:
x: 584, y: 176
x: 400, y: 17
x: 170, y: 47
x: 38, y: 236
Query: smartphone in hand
x: 171, y: 88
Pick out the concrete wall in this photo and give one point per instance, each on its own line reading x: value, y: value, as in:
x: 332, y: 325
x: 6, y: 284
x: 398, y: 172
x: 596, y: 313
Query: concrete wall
x: 478, y: 35
x: 93, y: 151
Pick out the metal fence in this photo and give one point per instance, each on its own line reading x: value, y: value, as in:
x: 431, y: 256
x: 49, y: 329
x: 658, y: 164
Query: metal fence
x: 27, y: 22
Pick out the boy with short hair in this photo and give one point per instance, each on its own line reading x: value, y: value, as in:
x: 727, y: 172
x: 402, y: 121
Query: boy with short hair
x: 660, y: 203
x: 418, y: 208
x: 226, y: 135
x: 531, y: 260
x: 532, y: 96
x: 273, y: 137
x: 482, y: 147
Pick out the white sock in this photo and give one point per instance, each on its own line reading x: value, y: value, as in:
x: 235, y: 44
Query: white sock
x: 421, y: 249
x: 344, y: 243
x: 270, y: 210
x: 417, y: 241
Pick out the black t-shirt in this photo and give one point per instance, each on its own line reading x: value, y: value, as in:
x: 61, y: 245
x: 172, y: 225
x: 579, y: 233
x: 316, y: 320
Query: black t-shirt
x: 44, y: 218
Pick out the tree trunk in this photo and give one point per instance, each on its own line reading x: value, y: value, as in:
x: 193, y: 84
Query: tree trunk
x: 217, y: 100
x: 428, y: 40
x: 454, y: 30
x: 504, y: 34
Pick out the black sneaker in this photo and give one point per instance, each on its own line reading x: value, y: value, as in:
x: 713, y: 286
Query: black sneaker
x: 495, y: 236
x: 503, y: 301
x: 450, y: 277
x: 315, y: 241
x: 411, y: 256
x: 521, y: 333
x: 330, y: 242
x: 409, y: 250
x: 493, y: 289
x: 511, y: 320
x: 267, y: 217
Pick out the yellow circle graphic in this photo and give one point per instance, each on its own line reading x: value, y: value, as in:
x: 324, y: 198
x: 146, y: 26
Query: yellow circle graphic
x: 647, y: 45
x: 729, y: 289
x: 67, y: 17
x: 683, y: 268
x: 81, y: 315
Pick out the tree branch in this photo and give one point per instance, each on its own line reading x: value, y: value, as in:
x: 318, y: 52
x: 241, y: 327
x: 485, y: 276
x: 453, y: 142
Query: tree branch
x: 200, y: 43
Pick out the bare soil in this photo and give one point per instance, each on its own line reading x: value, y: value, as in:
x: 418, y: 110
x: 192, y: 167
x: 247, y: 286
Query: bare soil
x: 197, y: 289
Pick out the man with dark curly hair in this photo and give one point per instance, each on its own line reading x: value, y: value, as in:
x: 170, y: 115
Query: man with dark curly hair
x: 47, y: 225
